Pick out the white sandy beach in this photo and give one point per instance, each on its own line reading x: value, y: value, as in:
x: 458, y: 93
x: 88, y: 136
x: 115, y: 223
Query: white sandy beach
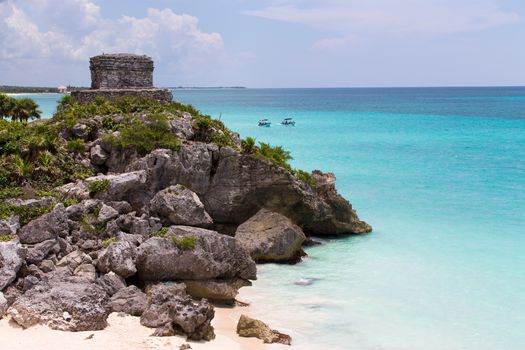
x: 126, y: 333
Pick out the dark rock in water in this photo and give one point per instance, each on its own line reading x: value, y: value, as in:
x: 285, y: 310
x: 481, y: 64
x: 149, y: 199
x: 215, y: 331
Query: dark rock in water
x: 213, y: 256
x: 223, y: 291
x: 311, y: 242
x: 48, y: 226
x: 169, y: 309
x: 252, y: 328
x: 46, y: 304
x: 306, y: 281
x: 11, y: 260
x: 130, y: 300
x: 178, y: 205
x: 271, y: 237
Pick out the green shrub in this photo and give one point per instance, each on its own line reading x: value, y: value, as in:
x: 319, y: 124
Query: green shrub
x: 76, y: 145
x: 25, y: 213
x: 305, y: 177
x: 248, y: 145
x: 161, y: 233
x: 98, y: 186
x: 145, y: 136
x: 88, y: 224
x: 7, y: 238
x: 185, y: 242
x: 69, y: 202
x: 276, y: 154
x: 108, y: 241
x: 6, y: 193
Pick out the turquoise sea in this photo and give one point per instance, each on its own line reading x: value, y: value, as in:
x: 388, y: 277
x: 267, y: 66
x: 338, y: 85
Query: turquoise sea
x: 440, y: 174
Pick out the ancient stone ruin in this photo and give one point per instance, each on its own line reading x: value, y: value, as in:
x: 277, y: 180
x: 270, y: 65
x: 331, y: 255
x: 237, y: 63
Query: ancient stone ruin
x: 117, y: 75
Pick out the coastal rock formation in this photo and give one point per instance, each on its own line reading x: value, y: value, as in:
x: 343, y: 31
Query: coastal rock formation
x: 249, y: 327
x: 212, y: 256
x: 178, y: 205
x: 48, y: 304
x: 172, y: 312
x: 3, y: 305
x: 10, y: 225
x: 271, y: 237
x: 119, y: 257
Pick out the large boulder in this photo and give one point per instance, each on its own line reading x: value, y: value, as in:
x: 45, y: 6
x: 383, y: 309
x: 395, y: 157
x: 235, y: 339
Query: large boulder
x: 178, y: 205
x: 66, y: 306
x: 189, y: 253
x: 40, y: 251
x: 130, y: 300
x: 119, y: 257
x: 130, y: 187
x: 271, y: 237
x: 47, y: 226
x: 249, y: 327
x: 244, y: 184
x: 173, y: 312
x: 182, y: 126
x: 11, y: 259
x: 111, y: 283
x: 222, y: 291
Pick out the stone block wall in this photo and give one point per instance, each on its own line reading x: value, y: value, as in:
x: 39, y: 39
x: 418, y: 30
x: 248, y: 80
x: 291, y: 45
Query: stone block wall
x: 121, y: 71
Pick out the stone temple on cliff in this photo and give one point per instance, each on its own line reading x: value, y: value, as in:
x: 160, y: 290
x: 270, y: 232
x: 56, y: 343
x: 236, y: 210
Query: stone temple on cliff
x: 117, y: 75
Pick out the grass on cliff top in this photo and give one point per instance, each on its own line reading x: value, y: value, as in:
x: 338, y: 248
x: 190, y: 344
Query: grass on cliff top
x: 277, y: 155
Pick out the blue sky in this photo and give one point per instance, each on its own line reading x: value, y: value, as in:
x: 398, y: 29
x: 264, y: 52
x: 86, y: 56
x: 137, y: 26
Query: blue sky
x: 272, y: 43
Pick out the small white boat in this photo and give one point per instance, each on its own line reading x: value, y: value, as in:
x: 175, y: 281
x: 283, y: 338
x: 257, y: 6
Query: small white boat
x: 265, y: 123
x: 288, y: 121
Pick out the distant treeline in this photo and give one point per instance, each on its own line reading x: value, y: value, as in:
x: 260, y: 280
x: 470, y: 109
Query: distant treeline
x: 34, y: 89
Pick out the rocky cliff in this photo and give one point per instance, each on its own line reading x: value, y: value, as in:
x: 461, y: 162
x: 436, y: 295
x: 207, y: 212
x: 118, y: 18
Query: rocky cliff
x: 151, y: 209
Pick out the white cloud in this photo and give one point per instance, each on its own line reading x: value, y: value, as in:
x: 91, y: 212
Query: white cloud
x: 350, y: 21
x: 70, y: 30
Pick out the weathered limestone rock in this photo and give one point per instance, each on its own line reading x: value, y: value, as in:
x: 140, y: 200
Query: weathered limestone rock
x: 106, y: 213
x: 214, y: 256
x: 190, y: 166
x: 271, y: 237
x: 168, y: 308
x: 3, y: 305
x: 130, y: 300
x: 223, y: 291
x: 243, y: 184
x: 80, y: 130
x: 10, y: 225
x: 40, y: 251
x: 98, y: 155
x: 48, y: 226
x: 182, y: 126
x: 87, y: 272
x: 129, y: 187
x: 47, y: 304
x: 11, y: 260
x: 180, y: 206
x: 74, y: 260
x: 119, y: 257
x: 111, y: 283
x: 249, y: 327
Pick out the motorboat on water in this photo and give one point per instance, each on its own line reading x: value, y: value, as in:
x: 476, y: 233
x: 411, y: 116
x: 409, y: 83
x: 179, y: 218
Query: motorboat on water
x: 265, y: 123
x: 288, y: 121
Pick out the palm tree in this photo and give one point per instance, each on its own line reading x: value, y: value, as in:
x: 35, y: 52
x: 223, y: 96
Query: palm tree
x: 25, y: 109
x: 7, y: 105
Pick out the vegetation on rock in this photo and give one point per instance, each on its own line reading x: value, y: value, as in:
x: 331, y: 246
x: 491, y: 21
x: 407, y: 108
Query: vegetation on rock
x: 98, y: 186
x: 185, y: 242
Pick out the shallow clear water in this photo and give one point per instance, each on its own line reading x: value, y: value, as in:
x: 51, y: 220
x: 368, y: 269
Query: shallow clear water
x: 439, y: 173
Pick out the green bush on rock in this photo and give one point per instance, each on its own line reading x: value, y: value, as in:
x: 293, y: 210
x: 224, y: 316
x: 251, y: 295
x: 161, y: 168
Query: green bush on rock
x: 186, y: 242
x: 98, y: 186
